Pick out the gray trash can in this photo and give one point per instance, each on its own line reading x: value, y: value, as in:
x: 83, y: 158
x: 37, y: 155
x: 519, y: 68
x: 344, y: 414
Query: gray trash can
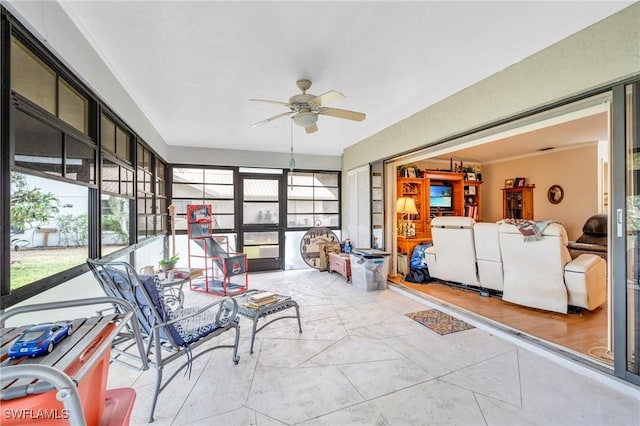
x: 369, y: 269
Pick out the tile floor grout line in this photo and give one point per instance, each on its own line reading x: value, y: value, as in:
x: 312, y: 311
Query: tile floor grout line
x: 519, y: 377
x: 367, y: 400
x: 253, y: 375
x: 299, y: 365
x: 475, y: 398
x: 328, y: 347
x: 350, y: 382
x: 474, y: 392
x: 209, y: 356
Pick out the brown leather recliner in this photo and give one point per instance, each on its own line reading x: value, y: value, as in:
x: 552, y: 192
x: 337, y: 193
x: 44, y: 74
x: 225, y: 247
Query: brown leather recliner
x: 593, y: 239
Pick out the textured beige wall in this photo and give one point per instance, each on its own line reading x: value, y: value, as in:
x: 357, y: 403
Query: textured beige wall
x: 603, y: 53
x: 575, y: 170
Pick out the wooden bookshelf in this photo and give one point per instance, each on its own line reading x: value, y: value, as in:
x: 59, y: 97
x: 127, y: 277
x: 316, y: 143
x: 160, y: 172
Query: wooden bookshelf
x: 419, y: 189
x: 472, y: 200
x: 414, y: 188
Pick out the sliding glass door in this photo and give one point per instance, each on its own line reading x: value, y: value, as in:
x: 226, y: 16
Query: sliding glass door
x: 626, y: 231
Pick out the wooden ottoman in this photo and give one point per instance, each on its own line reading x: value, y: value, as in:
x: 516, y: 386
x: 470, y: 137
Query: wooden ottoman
x: 340, y: 263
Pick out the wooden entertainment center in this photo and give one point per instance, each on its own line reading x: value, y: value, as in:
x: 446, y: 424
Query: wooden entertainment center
x: 420, y: 189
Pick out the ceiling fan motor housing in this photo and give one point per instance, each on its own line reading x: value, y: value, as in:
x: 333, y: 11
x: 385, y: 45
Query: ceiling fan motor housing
x: 301, y: 101
x: 306, y: 111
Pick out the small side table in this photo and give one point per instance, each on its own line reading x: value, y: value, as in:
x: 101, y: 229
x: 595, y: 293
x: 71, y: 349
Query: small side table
x: 283, y: 303
x: 340, y: 263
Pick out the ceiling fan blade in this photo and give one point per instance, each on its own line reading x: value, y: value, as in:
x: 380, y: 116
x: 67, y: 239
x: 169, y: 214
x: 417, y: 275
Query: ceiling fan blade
x: 270, y: 101
x: 259, y: 123
x: 311, y: 129
x: 343, y: 113
x: 327, y: 98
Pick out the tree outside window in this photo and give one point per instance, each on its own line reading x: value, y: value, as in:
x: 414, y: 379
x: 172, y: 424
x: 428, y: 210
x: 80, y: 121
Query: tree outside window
x: 49, y: 227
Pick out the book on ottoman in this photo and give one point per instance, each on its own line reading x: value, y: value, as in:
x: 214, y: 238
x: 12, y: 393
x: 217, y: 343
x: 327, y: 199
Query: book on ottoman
x: 258, y: 300
x: 263, y: 295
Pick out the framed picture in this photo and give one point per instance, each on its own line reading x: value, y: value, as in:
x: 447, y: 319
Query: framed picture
x: 519, y: 183
x: 409, y: 188
x: 411, y: 172
x: 411, y: 230
x: 471, y: 176
x: 555, y: 194
x: 508, y: 183
x: 471, y: 190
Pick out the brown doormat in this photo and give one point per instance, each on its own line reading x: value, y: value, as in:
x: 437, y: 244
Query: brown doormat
x: 439, y: 322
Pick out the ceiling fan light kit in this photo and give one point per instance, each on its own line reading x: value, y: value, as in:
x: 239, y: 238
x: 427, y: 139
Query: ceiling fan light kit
x: 305, y: 108
x: 305, y: 119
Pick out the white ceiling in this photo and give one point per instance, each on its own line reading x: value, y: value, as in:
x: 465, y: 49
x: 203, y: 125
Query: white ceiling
x: 192, y: 66
x: 589, y: 128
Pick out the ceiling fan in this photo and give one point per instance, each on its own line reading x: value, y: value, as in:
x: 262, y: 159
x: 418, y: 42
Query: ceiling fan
x: 305, y: 108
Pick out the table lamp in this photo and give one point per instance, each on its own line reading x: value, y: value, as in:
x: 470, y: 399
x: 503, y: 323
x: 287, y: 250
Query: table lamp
x: 406, y: 206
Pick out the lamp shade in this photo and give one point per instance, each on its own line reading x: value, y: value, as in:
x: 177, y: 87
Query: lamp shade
x: 406, y: 205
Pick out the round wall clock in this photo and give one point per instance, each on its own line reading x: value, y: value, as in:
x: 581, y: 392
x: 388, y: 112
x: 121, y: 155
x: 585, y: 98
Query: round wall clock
x: 310, y: 244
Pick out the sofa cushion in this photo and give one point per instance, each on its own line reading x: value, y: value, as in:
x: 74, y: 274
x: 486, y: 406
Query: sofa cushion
x: 592, y: 239
x: 553, y: 229
x: 582, y: 263
x: 455, y: 253
x: 487, y: 241
x: 534, y: 271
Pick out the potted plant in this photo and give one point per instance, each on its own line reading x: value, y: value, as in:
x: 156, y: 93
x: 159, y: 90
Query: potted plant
x: 471, y: 173
x: 169, y: 264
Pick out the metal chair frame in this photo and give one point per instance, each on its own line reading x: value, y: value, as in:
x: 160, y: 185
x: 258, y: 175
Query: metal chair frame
x: 158, y: 327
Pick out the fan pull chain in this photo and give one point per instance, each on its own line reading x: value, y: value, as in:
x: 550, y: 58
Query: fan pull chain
x: 292, y: 162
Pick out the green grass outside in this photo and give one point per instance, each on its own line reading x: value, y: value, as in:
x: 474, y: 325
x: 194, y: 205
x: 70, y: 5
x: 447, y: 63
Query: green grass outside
x: 32, y: 265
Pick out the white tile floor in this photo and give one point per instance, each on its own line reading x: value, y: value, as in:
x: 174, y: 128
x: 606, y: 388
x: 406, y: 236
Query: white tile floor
x: 361, y: 361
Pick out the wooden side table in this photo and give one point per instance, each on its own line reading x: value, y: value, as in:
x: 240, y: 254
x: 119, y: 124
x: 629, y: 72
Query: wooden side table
x: 340, y: 263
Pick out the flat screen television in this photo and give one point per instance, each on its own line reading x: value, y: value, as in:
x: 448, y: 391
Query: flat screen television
x: 440, y: 196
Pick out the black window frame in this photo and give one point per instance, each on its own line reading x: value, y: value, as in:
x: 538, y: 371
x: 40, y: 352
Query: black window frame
x: 339, y: 200
x: 235, y: 182
x: 9, y: 100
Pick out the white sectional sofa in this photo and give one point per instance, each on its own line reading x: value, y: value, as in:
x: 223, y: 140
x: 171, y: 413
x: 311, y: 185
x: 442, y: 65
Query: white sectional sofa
x: 538, y: 274
x: 489, y: 258
x: 455, y: 257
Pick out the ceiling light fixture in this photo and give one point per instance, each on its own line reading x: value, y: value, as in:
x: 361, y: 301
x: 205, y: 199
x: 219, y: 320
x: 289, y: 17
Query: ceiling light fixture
x: 305, y: 118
